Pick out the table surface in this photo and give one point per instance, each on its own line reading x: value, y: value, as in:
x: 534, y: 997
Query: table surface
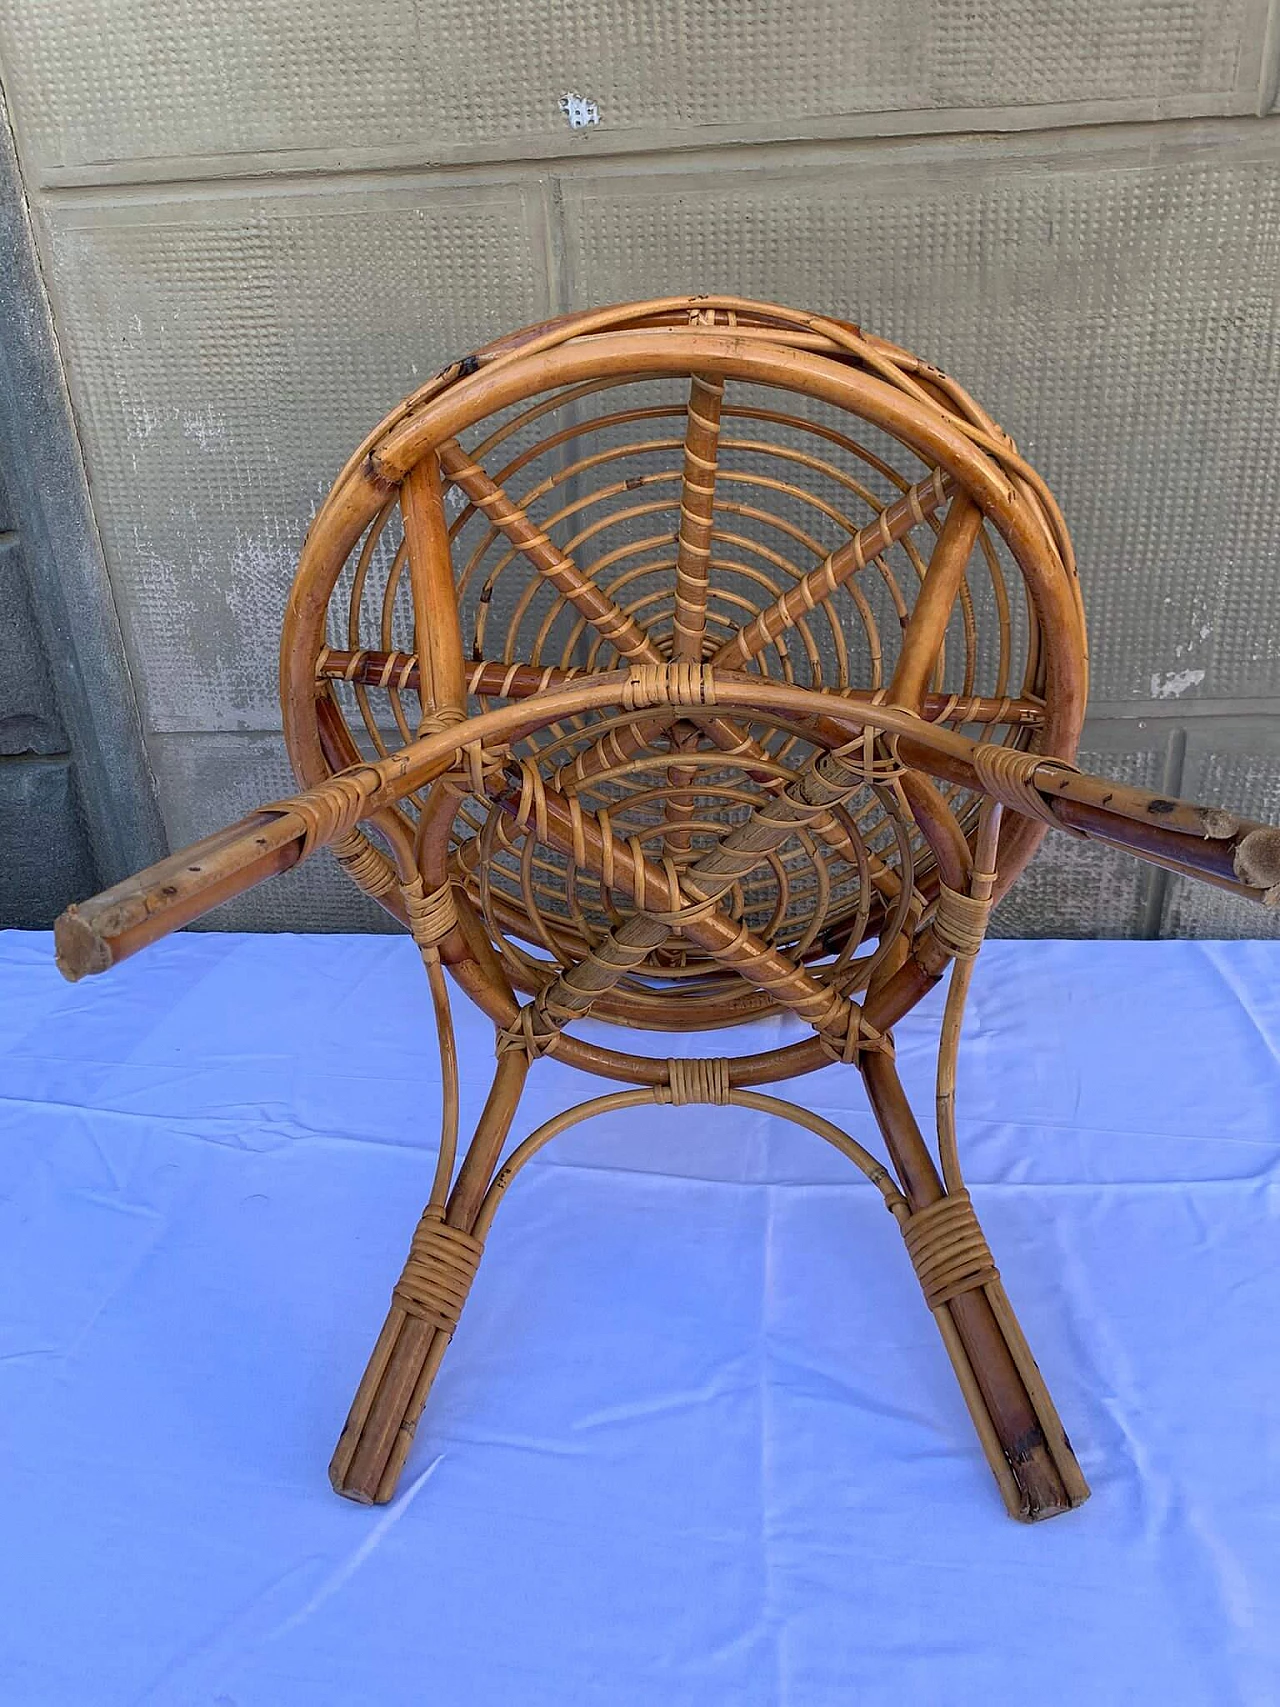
x: 696, y: 1439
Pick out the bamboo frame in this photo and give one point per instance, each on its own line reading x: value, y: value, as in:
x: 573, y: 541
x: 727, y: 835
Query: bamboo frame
x: 713, y: 704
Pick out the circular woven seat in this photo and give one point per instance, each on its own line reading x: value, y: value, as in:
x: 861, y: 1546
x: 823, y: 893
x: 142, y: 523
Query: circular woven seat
x: 715, y: 483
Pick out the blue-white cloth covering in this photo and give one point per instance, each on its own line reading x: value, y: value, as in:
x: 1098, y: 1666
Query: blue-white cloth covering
x: 696, y: 1440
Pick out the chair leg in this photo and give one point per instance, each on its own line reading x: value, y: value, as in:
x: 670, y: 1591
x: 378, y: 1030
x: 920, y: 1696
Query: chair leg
x: 1019, y: 1428
x: 425, y: 1307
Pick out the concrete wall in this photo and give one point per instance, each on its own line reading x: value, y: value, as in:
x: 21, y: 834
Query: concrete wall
x: 77, y: 806
x: 44, y: 852
x: 262, y: 223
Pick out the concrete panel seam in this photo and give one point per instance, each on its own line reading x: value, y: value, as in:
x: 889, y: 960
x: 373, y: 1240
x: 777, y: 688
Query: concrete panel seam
x: 1156, y: 710
x: 229, y: 175
x: 559, y: 279
x: 565, y: 150
x: 1269, y: 68
x: 1156, y: 900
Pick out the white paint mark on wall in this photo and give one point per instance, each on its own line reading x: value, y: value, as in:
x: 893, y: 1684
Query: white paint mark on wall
x: 579, y: 111
x: 142, y: 421
x: 455, y: 502
x: 207, y: 430
x: 1175, y: 683
x: 1202, y: 634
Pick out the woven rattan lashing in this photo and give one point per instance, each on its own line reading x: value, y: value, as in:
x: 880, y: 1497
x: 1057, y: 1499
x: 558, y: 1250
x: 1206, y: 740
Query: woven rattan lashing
x: 674, y: 665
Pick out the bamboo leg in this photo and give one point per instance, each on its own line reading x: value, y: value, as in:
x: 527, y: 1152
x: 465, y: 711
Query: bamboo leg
x: 1038, y: 1477
x: 379, y: 1430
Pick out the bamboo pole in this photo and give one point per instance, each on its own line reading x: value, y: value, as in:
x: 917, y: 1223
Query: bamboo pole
x: 494, y: 680
x: 1004, y: 1395
x: 693, y: 578
x: 622, y: 631
x: 105, y: 930
x: 384, y: 1415
x: 923, y: 637
x: 435, y: 604
x: 697, y: 499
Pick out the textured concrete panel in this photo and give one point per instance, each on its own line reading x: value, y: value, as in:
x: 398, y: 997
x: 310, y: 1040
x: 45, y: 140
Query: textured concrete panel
x: 226, y: 357
x: 106, y: 81
x: 725, y: 66
x: 1075, y: 888
x: 1116, y: 312
x: 1234, y: 763
x: 45, y: 858
x: 109, y: 79
x: 211, y: 780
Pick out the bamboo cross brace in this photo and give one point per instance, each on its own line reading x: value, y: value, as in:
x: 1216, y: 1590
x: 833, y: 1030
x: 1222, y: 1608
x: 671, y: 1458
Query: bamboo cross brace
x: 493, y: 679
x: 819, y: 584
x: 826, y: 781
x: 693, y: 573
x: 622, y: 631
x: 654, y: 892
x: 575, y: 990
x: 697, y: 497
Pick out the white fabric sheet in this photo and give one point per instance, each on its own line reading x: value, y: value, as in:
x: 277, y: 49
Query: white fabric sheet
x: 696, y: 1439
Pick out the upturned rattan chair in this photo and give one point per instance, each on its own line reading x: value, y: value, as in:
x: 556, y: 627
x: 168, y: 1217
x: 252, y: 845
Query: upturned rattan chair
x: 678, y: 664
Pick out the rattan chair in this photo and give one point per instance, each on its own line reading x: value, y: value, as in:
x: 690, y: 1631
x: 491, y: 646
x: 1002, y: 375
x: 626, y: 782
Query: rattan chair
x: 682, y: 663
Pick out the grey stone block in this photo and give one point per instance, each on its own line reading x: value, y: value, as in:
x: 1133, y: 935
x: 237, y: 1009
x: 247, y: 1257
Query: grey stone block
x: 29, y: 721
x: 71, y: 601
x: 45, y: 858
